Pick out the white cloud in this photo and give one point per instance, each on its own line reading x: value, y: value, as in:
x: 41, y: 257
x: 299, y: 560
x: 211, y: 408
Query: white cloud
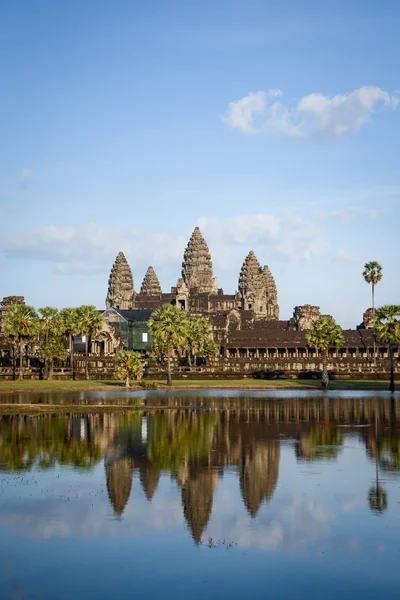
x: 286, y: 236
x: 344, y: 256
x: 314, y: 114
x: 92, y: 248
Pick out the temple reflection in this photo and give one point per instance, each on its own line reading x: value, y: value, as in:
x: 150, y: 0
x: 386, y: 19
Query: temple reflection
x: 195, y: 445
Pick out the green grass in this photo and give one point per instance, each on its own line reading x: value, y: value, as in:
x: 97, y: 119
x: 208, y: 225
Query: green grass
x: 7, y: 387
x: 35, y: 385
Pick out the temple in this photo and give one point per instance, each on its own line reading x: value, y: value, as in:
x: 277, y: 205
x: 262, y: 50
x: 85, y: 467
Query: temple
x: 196, y: 291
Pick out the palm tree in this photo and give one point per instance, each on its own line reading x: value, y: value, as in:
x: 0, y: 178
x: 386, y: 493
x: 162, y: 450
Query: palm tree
x: 377, y: 496
x: 199, y: 333
x: 70, y: 325
x: 169, y: 328
x: 323, y: 333
x: 47, y: 324
x: 129, y: 365
x: 373, y: 274
x: 20, y: 327
x: 387, y: 329
x: 89, y: 321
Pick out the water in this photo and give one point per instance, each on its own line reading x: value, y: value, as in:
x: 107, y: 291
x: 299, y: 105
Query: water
x: 216, y: 495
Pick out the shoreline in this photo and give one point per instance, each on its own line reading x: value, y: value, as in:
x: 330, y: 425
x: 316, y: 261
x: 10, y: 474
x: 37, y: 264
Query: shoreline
x: 62, y: 387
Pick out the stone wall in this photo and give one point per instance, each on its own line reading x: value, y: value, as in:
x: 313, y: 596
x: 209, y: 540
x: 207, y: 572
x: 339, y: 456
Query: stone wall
x: 223, y: 368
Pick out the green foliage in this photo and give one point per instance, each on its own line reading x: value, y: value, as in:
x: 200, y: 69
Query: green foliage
x: 129, y: 365
x: 21, y: 323
x: 51, y: 338
x: 387, y: 327
x: 88, y: 320
x: 198, y: 336
x: 168, y: 326
x: 372, y: 272
x: 323, y: 333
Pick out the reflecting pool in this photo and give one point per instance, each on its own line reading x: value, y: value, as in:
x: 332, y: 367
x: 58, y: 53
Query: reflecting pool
x: 217, y: 495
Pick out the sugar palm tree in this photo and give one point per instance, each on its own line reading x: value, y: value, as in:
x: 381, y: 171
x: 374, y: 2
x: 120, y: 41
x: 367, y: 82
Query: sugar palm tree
x: 169, y: 328
x: 199, y: 333
x: 20, y: 327
x: 373, y: 274
x: 323, y: 333
x: 47, y: 325
x: 387, y: 329
x: 129, y: 365
x: 70, y: 323
x: 89, y: 321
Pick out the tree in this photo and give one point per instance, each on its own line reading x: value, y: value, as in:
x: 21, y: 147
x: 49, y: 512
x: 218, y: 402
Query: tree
x: 55, y: 347
x: 169, y: 328
x: 198, y: 336
x: 70, y: 321
x: 47, y: 329
x: 387, y: 330
x: 323, y: 333
x: 89, y: 321
x: 129, y: 365
x: 373, y: 274
x: 20, y: 327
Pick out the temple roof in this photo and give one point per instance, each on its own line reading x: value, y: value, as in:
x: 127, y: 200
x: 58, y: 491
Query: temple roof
x: 150, y: 285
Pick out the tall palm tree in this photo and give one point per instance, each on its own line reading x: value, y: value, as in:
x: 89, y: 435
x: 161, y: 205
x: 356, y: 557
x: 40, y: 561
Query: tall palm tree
x: 387, y: 329
x: 373, y: 274
x: 20, y: 327
x: 47, y: 325
x: 199, y: 333
x: 70, y: 322
x: 89, y: 321
x: 323, y: 333
x: 169, y: 328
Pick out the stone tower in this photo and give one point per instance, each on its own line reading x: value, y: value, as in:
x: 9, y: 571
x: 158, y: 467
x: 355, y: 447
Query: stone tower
x: 257, y: 289
x: 197, y: 269
x: 121, y: 293
x: 151, y: 285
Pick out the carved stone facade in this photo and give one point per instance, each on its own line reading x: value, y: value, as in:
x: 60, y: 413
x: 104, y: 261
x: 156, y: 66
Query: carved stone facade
x: 197, y: 271
x: 121, y: 293
x: 368, y: 319
x: 257, y: 289
x: 150, y: 285
x: 303, y: 316
x: 196, y: 290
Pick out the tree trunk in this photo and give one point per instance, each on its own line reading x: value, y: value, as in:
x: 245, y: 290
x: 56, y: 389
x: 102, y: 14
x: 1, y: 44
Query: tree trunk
x: 21, y: 360
x: 325, y: 374
x: 14, y: 366
x: 373, y: 320
x: 169, y: 377
x: 50, y: 368
x: 127, y: 381
x: 46, y: 360
x: 71, y: 354
x: 391, y: 362
x: 86, y: 357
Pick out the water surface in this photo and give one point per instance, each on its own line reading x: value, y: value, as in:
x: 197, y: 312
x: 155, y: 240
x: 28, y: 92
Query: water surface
x: 217, y: 495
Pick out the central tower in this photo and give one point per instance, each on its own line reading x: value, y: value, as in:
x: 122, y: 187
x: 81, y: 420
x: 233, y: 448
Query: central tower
x: 197, y: 271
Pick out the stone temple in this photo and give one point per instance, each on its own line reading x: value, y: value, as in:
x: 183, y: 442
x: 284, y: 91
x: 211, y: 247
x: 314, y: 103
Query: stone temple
x: 196, y: 291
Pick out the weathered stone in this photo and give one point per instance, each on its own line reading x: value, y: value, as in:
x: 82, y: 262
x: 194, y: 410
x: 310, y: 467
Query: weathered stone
x: 151, y: 285
x: 257, y: 289
x: 197, y: 271
x: 304, y: 315
x: 368, y: 319
x: 121, y: 293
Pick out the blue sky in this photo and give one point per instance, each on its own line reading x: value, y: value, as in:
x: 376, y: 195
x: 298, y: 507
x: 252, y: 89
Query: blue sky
x: 273, y: 125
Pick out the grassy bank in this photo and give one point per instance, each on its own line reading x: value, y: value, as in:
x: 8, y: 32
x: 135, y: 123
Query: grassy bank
x: 9, y: 387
